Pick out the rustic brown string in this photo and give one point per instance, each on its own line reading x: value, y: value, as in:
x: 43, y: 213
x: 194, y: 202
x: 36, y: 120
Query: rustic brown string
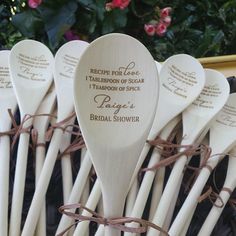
x: 232, y: 203
x: 115, y: 222
x: 63, y: 126
x: 228, y: 190
x: 205, y: 154
x: 34, y: 138
x: 19, y: 129
x: 167, y: 147
x: 10, y: 133
x: 204, y: 164
x: 212, y: 196
x: 190, y: 150
x: 77, y: 144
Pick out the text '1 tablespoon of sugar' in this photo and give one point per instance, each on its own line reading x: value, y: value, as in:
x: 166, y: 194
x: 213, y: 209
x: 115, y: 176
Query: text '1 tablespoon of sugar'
x: 116, y: 90
x: 31, y: 75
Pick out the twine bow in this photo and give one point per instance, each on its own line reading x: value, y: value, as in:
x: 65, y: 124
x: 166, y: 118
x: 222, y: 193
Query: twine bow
x: 189, y: 150
x: 17, y: 129
x: 212, y: 196
x: 115, y: 222
x: 77, y: 144
x: 63, y: 126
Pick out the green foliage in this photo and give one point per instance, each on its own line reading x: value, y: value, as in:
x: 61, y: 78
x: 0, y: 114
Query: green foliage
x: 200, y: 28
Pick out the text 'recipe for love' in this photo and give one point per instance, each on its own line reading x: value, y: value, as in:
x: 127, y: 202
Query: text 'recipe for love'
x: 124, y: 79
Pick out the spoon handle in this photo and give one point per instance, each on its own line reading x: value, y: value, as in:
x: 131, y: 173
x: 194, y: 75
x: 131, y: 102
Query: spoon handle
x: 214, y: 214
x: 100, y: 230
x: 77, y: 190
x: 167, y: 195
x: 4, y: 183
x: 42, y: 185
x: 187, y: 223
x: 144, y: 190
x: 190, y: 202
x: 158, y: 185
x: 92, y: 202
x: 171, y: 209
x: 39, y: 160
x: 19, y: 185
x: 230, y: 183
x: 142, y: 157
x: 130, y: 200
x: 67, y: 178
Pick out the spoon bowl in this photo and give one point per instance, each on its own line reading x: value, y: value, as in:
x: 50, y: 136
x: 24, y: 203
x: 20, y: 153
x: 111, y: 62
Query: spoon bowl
x: 31, y: 74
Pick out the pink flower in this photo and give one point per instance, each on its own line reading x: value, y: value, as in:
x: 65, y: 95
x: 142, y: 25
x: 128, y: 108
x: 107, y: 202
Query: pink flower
x: 161, y: 29
x: 167, y: 20
x: 165, y: 12
x: 122, y: 4
x: 34, y: 3
x: 149, y: 29
x: 70, y: 35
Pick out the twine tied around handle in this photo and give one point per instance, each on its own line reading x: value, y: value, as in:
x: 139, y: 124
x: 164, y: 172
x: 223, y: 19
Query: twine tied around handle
x: 77, y: 144
x: 63, y: 126
x: 190, y: 150
x: 212, y: 196
x: 115, y: 222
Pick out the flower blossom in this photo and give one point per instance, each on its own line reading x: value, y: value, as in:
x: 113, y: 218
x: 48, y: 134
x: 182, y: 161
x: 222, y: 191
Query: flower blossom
x: 150, y: 29
x: 122, y: 4
x: 34, y: 3
x: 166, y: 20
x: 161, y: 29
x: 165, y: 12
x: 160, y: 23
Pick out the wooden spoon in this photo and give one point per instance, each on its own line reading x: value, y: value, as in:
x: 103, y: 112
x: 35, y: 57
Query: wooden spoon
x: 8, y: 101
x: 115, y: 93
x: 179, y: 87
x: 195, y: 119
x: 130, y: 201
x: 40, y: 124
x: 176, y: 93
x: 222, y: 127
x: 230, y: 183
x: 31, y: 74
x: 65, y: 62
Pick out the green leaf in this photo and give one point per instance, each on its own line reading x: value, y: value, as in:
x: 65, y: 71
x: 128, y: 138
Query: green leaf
x: 28, y: 23
x: 97, y: 6
x: 150, y: 2
x: 114, y: 20
x: 58, y: 21
x: 218, y: 37
x: 190, y: 7
x: 88, y: 3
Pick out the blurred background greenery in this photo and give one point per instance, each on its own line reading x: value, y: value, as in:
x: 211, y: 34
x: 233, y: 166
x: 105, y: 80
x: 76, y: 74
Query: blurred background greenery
x: 198, y: 27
